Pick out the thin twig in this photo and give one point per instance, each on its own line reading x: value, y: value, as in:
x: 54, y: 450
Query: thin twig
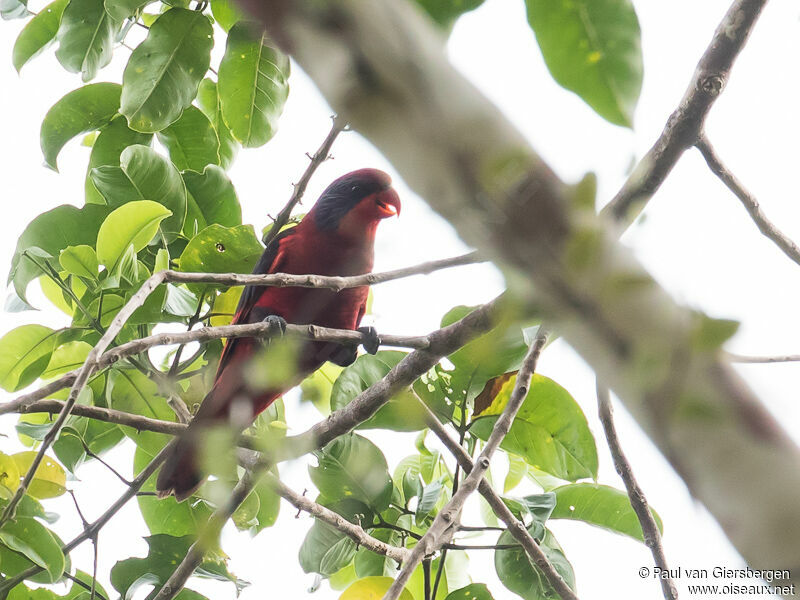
x: 751, y: 205
x: 445, y: 522
x: 319, y: 157
x: 780, y: 358
x: 515, y: 527
x: 354, y: 532
x: 685, y: 124
x: 650, y: 532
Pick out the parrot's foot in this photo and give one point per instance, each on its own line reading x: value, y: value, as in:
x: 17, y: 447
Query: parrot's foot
x: 371, y: 340
x: 276, y: 324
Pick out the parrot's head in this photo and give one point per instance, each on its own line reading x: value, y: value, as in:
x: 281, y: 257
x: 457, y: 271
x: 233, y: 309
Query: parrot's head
x: 355, y: 203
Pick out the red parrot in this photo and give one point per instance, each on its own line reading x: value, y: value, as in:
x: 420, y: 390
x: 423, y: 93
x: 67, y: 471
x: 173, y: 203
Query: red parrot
x: 336, y: 237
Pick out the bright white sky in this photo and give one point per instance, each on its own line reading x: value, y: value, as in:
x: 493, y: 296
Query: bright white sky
x: 695, y: 238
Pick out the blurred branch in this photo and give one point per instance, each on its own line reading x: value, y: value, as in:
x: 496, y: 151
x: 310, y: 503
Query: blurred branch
x: 354, y: 532
x: 320, y: 156
x: 442, y: 342
x: 780, y: 358
x: 685, y: 124
x: 446, y: 521
x: 650, y: 532
x: 382, y: 66
x: 751, y: 205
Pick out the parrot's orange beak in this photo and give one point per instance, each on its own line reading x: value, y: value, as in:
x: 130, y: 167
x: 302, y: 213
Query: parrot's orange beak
x: 388, y: 203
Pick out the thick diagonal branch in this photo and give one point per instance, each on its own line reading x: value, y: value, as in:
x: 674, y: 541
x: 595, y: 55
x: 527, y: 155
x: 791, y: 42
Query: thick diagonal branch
x: 445, y: 522
x: 685, y: 124
x: 382, y: 66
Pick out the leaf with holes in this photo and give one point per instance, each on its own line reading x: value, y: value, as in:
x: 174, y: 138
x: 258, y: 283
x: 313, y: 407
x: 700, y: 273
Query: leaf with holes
x: 253, y: 85
x: 592, y: 48
x: 164, y: 71
x: 218, y: 249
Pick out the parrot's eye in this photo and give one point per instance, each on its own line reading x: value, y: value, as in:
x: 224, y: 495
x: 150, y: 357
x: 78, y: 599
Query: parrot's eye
x: 355, y: 188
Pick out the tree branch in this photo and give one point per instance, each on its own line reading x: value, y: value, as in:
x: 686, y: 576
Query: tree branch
x: 382, y: 66
x: 751, y: 205
x: 442, y: 342
x: 445, y: 523
x: 354, y: 532
x: 685, y: 124
x: 319, y: 157
x: 780, y: 358
x: 650, y: 532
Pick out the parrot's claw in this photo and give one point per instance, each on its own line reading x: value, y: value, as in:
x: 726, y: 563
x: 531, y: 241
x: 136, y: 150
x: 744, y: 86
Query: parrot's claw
x: 371, y: 341
x: 274, y: 321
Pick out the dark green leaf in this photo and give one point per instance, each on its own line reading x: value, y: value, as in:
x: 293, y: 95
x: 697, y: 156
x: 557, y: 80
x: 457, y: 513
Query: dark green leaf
x: 218, y: 249
x: 86, y: 38
x: 253, y: 85
x: 37, y: 34
x: 550, y: 430
x: 132, y: 392
x: 325, y: 550
x: 85, y: 109
x: 98, y: 436
x: 32, y: 539
x: 368, y: 563
x: 519, y: 575
x: 164, y: 71
x: 226, y: 13
x: 214, y: 196
x: 353, y: 467
x: 402, y: 413
x: 191, y: 141
x: 120, y: 10
x: 593, y: 48
x: 208, y: 101
x: 144, y: 174
x: 24, y: 354
x: 599, y: 505
x: 445, y: 12
x: 164, y: 553
x: 106, y: 151
x: 474, y: 591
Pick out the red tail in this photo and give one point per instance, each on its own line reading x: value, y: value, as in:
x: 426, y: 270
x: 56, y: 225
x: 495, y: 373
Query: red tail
x: 180, y: 474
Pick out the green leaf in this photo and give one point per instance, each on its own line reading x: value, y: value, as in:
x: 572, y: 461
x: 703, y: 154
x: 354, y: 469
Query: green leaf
x: 517, y: 469
x: 85, y: 109
x: 119, y: 10
x: 592, y: 48
x: 24, y: 354
x: 372, y: 588
x: 164, y: 71
x: 369, y: 564
x: 14, y: 9
x: 112, y: 140
x: 49, y: 479
x: 214, y: 196
x: 208, y: 101
x: 427, y: 501
x: 445, y: 12
x: 317, y: 387
x: 474, y: 591
x: 86, y: 38
x: 166, y: 515
x: 144, y: 174
x: 536, y: 507
x: 550, y: 430
x: 135, y: 223
x: 191, y: 141
x: 37, y: 34
x: 353, y: 467
x: 76, y: 591
x: 47, y: 235
x: 325, y: 550
x: 164, y: 553
x: 402, y: 413
x: 218, y: 249
x: 521, y: 576
x: 80, y: 260
x: 32, y: 539
x: 132, y: 392
x: 226, y: 13
x: 99, y: 437
x: 600, y: 505
x: 253, y: 85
